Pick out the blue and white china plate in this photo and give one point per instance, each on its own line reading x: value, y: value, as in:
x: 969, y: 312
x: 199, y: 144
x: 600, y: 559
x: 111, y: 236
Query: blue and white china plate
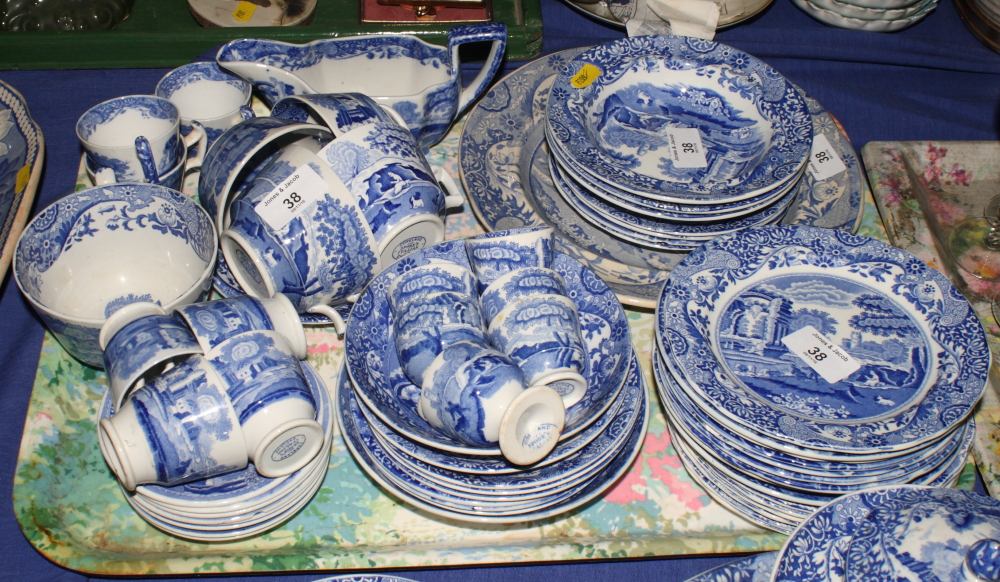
x: 891, y: 290
x: 365, y: 578
x: 381, y: 468
x: 22, y: 152
x: 612, y: 108
x: 547, y: 477
x: 840, y: 477
x: 245, y: 488
x: 628, y: 399
x: 921, y: 534
x: 755, y: 568
x: 492, y: 145
x: 385, y: 389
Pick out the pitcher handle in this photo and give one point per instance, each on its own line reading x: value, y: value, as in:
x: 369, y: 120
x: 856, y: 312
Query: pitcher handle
x: 496, y: 32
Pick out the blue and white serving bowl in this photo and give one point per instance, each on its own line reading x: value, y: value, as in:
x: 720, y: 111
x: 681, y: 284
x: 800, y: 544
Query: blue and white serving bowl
x: 385, y: 389
x: 97, y: 250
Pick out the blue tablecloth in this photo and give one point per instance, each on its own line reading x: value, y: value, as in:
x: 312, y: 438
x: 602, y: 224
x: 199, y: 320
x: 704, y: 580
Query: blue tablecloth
x: 932, y: 81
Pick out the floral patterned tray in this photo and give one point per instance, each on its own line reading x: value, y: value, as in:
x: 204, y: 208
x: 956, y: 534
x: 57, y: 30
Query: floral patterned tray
x: 73, y: 512
x: 923, y: 190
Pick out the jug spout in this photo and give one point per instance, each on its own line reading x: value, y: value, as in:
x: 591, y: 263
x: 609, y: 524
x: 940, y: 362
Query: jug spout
x: 274, y: 83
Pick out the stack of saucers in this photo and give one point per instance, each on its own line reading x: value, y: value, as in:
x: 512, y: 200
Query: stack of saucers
x: 668, y: 142
x: 239, y: 504
x: 389, y: 439
x: 870, y: 15
x: 797, y: 364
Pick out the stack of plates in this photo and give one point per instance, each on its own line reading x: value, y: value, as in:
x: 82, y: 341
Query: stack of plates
x: 403, y: 453
x: 870, y: 15
x: 239, y: 504
x: 797, y: 364
x: 892, y: 533
x: 667, y: 142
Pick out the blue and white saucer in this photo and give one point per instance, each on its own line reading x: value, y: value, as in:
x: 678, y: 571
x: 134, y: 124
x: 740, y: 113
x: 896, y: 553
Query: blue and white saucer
x: 380, y: 382
x: 756, y: 568
x: 616, y: 107
x: 892, y: 403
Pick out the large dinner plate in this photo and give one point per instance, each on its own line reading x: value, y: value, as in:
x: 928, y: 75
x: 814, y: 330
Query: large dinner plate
x: 920, y: 393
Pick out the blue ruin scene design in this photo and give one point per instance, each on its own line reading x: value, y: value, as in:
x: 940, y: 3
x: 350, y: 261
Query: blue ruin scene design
x: 892, y: 349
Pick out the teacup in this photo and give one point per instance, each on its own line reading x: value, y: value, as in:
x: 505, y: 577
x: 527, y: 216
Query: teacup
x: 205, y: 93
x: 178, y: 428
x: 429, y: 324
x: 213, y: 322
x: 495, y: 254
x: 136, y: 136
x: 435, y: 277
x: 541, y: 333
x: 421, y: 81
x: 519, y: 283
x: 320, y: 254
x: 140, y: 341
x: 272, y: 400
x: 172, y: 178
x: 98, y: 250
x: 340, y: 112
x: 394, y: 186
x: 479, y: 397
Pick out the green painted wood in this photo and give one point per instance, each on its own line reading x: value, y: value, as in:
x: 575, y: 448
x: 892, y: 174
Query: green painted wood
x: 162, y: 33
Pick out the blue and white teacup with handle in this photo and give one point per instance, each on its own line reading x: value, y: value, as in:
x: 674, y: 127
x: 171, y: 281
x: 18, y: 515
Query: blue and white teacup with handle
x: 205, y: 93
x: 424, y: 327
x: 180, y: 427
x: 523, y: 282
x: 478, y: 396
x: 319, y: 252
x: 272, y: 400
x: 172, y: 178
x: 398, y: 191
x: 136, y: 136
x: 139, y: 341
x: 340, y: 112
x: 213, y: 322
x: 435, y: 277
x: 420, y: 81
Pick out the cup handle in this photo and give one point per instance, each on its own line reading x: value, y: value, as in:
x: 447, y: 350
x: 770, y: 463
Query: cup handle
x: 198, y: 136
x: 454, y: 197
x: 495, y: 32
x: 338, y: 322
x: 246, y: 112
x: 104, y: 176
x: 146, y: 160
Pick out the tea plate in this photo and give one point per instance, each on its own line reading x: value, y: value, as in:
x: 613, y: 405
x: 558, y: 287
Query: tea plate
x: 385, y: 389
x: 756, y: 568
x: 608, y: 110
x: 813, y: 416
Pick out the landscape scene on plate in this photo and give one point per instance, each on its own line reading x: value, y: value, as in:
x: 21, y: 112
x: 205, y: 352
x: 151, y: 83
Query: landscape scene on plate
x: 888, y: 344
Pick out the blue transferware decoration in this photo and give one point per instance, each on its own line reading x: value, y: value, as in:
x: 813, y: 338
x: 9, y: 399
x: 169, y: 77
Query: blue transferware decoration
x: 146, y: 160
x: 427, y: 325
x: 536, y: 319
x: 321, y: 257
x: 756, y: 568
x: 923, y: 533
x: 188, y: 425
x: 123, y: 227
x: 205, y: 93
x: 215, y: 321
x: 517, y: 284
x: 419, y: 348
x: 22, y: 150
x: 172, y: 178
x: 982, y: 562
x: 813, y: 476
x: 239, y: 153
x: 393, y: 184
x: 380, y: 466
x: 754, y: 126
x: 462, y: 393
x: 815, y: 415
x: 422, y: 82
x: 629, y: 401
x: 258, y: 371
x: 340, y: 112
x: 431, y: 278
x: 140, y: 346
x: 382, y: 385
x: 494, y: 254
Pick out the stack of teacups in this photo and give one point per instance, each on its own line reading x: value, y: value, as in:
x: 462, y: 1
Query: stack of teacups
x: 207, y: 390
x: 138, y: 138
x: 469, y: 390
x: 326, y: 215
